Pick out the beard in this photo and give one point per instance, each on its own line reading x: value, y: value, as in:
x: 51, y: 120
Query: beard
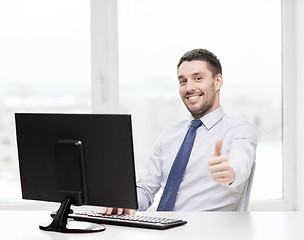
x: 201, y: 108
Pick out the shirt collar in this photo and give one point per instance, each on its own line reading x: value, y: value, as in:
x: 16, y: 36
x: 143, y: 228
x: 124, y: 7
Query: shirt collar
x: 212, y: 118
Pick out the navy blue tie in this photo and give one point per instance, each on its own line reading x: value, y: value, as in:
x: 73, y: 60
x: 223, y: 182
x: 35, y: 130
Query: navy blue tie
x: 178, y: 168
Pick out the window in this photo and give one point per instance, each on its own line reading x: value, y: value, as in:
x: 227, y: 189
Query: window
x: 45, y: 67
x: 245, y: 35
x: 45, y: 51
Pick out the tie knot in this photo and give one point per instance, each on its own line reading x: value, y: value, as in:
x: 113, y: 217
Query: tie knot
x: 196, y: 123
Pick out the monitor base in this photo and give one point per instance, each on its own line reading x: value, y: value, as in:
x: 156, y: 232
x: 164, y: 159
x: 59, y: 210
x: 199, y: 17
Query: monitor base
x: 61, y: 224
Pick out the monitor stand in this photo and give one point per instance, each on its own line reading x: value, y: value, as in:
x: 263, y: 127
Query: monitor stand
x: 62, y: 224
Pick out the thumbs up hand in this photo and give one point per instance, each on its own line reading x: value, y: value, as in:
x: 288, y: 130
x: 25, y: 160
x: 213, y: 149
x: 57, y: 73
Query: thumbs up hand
x: 219, y: 168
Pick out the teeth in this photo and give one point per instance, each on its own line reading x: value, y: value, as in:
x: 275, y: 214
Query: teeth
x: 194, y: 97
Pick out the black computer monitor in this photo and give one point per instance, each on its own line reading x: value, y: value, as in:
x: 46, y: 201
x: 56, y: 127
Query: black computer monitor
x: 76, y: 159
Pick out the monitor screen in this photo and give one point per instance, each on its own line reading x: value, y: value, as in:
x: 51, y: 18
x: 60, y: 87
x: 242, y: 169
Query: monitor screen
x: 85, y: 157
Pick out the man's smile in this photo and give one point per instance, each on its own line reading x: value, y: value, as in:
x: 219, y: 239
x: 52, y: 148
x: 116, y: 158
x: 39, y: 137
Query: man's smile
x: 193, y: 97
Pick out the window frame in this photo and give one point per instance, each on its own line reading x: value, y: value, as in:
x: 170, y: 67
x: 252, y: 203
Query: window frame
x: 104, y: 56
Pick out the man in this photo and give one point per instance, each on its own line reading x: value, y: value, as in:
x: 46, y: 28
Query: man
x: 220, y: 158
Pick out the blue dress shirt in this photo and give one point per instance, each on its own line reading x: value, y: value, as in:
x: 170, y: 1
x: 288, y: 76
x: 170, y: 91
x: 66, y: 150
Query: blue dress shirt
x: 198, y: 191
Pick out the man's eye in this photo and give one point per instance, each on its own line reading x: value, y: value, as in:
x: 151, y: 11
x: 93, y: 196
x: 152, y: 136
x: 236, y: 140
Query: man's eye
x: 183, y: 81
x: 198, y: 79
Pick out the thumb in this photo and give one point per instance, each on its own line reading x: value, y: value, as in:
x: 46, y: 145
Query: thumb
x: 218, y: 147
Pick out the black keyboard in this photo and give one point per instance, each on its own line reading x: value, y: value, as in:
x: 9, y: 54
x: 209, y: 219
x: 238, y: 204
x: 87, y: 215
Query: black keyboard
x: 127, y: 220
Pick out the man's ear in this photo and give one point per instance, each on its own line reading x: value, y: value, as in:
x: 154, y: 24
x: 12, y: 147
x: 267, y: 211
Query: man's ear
x: 218, y: 82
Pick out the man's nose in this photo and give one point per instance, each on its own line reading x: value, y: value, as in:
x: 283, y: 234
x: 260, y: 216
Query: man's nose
x: 190, y: 86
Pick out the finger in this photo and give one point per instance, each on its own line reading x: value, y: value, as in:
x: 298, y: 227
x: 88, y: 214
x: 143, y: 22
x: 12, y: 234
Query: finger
x: 221, y: 174
x: 130, y: 211
x: 104, y: 210
x: 217, y: 160
x: 225, y: 176
x: 109, y: 211
x: 120, y: 211
x: 224, y: 181
x: 217, y: 165
x: 218, y: 147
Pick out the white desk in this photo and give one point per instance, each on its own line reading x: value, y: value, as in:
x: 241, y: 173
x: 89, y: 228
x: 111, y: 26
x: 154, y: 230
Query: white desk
x: 24, y: 225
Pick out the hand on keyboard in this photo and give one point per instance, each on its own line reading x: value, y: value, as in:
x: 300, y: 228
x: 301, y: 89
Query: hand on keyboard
x: 118, y: 211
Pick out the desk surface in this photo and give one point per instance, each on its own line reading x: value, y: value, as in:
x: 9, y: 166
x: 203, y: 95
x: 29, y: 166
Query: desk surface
x: 24, y: 225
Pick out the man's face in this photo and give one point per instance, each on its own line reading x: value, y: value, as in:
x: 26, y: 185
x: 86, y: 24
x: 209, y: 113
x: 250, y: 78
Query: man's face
x: 198, y: 89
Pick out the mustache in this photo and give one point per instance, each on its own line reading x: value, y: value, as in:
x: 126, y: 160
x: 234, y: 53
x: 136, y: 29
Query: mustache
x: 194, y: 93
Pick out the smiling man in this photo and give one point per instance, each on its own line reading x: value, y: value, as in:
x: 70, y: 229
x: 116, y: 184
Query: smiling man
x: 199, y: 87
x: 203, y: 163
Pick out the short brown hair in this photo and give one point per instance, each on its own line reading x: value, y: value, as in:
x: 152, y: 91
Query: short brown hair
x: 203, y: 55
